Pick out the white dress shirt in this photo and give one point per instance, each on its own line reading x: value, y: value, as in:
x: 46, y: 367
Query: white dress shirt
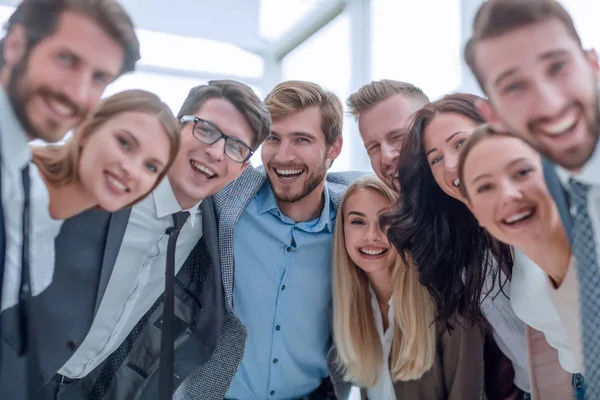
x: 532, y: 302
x: 384, y: 388
x: 15, y: 156
x: 508, y: 328
x: 138, y: 277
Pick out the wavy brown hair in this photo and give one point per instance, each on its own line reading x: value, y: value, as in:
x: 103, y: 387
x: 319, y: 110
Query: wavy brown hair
x: 453, y: 253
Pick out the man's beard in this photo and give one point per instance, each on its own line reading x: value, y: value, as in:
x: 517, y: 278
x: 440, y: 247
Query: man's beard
x: 576, y: 156
x: 312, y: 182
x: 20, y: 93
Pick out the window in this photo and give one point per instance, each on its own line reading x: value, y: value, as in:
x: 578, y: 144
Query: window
x: 325, y: 59
x: 412, y: 43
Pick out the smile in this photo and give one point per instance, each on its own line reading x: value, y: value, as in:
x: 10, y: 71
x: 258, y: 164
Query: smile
x: 202, y: 169
x: 519, y: 217
x: 563, y: 125
x: 60, y: 108
x: 289, y: 172
x: 115, y: 184
x: 372, y: 251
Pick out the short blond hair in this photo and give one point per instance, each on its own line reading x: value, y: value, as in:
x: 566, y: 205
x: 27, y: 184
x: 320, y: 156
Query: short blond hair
x: 292, y: 96
x: 371, y: 94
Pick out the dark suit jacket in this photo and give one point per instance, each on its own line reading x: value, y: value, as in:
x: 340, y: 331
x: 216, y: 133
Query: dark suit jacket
x: 86, y: 250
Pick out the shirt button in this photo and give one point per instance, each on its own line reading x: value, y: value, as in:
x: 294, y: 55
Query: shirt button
x: 272, y: 393
x: 277, y: 327
x: 289, y: 249
x: 275, y: 361
x: 283, y: 287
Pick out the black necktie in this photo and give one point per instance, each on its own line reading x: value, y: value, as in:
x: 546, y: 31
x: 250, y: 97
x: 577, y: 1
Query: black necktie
x: 28, y: 346
x: 167, y: 342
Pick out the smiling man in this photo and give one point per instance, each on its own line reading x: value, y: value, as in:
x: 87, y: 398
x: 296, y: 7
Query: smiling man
x: 276, y: 226
x: 543, y: 85
x: 383, y: 110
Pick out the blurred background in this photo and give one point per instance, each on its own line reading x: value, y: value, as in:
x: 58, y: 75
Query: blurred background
x: 340, y: 44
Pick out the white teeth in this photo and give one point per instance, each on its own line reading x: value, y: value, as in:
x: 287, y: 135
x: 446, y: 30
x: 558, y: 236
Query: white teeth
x: 63, y: 109
x: 372, y: 252
x: 288, y: 171
x: 456, y: 182
x: 518, y: 217
x: 562, y: 126
x: 202, y: 168
x: 116, y: 182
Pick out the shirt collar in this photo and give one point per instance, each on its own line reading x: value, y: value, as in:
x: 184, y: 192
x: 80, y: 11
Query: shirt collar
x: 590, y: 173
x: 267, y: 203
x: 166, y: 203
x: 15, y: 142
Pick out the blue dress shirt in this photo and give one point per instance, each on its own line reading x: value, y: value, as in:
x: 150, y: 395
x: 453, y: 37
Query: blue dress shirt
x: 282, y: 294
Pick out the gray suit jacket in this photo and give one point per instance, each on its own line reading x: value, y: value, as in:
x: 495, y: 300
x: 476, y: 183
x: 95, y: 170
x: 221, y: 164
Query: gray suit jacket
x: 213, y: 379
x: 560, y: 196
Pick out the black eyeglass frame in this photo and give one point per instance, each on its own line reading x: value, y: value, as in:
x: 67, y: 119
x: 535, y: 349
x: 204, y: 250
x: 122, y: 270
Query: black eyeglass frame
x: 191, y: 118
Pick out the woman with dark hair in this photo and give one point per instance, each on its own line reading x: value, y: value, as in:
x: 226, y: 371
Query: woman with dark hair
x: 461, y: 265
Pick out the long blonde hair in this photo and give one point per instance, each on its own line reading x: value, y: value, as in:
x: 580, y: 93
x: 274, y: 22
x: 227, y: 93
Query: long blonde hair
x: 58, y: 163
x: 359, y: 350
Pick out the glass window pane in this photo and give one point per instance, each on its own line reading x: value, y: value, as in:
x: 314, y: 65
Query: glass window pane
x: 166, y: 50
x: 325, y: 59
x: 277, y: 17
x: 413, y: 44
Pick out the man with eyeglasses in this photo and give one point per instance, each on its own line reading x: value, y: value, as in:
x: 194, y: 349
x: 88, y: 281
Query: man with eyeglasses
x: 120, y: 356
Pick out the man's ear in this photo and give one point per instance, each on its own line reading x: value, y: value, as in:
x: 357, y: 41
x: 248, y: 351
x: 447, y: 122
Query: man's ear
x: 335, y: 149
x: 592, y: 57
x: 488, y: 113
x: 14, y: 46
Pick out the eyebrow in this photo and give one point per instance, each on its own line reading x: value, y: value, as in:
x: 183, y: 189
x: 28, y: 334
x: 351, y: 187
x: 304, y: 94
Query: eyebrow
x: 136, y: 143
x: 544, y: 56
x: 295, y: 133
x: 396, y: 131
x: 510, y: 164
x: 449, y: 138
x: 131, y: 136
x: 355, y: 213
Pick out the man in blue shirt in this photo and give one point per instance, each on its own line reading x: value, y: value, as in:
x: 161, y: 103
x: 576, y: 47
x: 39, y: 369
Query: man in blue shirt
x: 277, y: 222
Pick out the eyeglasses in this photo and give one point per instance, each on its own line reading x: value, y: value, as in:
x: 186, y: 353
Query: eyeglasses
x: 208, y: 133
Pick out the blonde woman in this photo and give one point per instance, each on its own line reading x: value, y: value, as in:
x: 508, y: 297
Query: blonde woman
x: 386, y: 341
x: 116, y: 157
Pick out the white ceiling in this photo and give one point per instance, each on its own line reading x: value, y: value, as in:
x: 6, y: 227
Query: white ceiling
x: 232, y: 21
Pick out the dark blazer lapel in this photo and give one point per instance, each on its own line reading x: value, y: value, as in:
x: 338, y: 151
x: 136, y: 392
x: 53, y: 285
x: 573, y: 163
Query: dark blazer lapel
x: 114, y: 238
x: 560, y: 197
x: 209, y: 322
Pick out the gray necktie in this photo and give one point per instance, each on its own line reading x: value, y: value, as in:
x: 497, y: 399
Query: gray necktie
x: 588, y: 274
